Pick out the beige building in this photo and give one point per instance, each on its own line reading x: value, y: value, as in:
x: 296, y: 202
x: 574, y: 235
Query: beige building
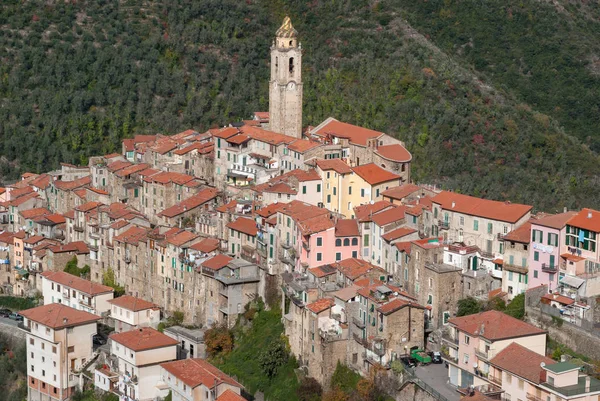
x: 130, y: 313
x: 59, y: 347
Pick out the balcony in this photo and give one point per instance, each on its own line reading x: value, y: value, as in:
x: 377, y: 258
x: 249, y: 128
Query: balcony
x: 78, y: 227
x: 495, y: 380
x: 93, y: 247
x: 446, y: 355
x: 547, y: 268
x: 85, y: 302
x: 24, y: 327
x: 487, y: 255
x: 306, y: 246
x: 450, y: 340
x: 95, y: 234
x: 359, y: 339
x: 482, y: 354
x: 240, y: 170
x: 443, y: 225
x: 533, y: 397
x: 127, y: 259
x: 224, y: 292
x: 358, y: 323
x: 286, y: 245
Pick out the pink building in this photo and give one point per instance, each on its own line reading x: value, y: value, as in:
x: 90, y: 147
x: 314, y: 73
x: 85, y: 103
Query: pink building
x: 347, y: 239
x: 547, y: 239
x: 474, y: 340
x: 316, y: 239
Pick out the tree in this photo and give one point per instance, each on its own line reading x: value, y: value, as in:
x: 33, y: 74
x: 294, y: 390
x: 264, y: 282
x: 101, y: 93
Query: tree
x: 344, y: 378
x: 218, y: 341
x: 273, y: 357
x: 516, y: 307
x: 468, y: 306
x: 309, y: 390
x: 335, y: 394
x: 72, y: 268
x: 108, y: 278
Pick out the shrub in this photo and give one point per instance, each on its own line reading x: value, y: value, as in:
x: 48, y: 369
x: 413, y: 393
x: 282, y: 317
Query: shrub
x: 309, y: 390
x: 273, y: 357
x: 218, y: 341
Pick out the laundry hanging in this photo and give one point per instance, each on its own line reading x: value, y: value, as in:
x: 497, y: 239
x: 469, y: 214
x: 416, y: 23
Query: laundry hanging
x: 581, y: 236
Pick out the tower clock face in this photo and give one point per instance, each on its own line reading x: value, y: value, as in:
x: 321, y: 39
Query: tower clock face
x: 291, y: 86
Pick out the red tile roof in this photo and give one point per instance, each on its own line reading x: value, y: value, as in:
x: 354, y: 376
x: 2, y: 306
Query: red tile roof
x: 263, y: 135
x: 71, y: 185
x: 556, y: 221
x: 403, y: 246
x: 190, y: 203
x: 143, y: 339
x: 320, y: 305
x: 389, y: 216
x: 34, y: 239
x: 228, y: 207
x: 129, y: 145
x: 135, y: 168
x: 194, y: 372
x: 588, y: 219
x: 217, y: 262
x: 194, y: 146
x: 229, y: 395
x: 396, y: 152
x: 364, y: 212
x: 181, y: 237
x: 322, y: 271
x: 347, y: 228
x: 165, y: 177
x: 398, y: 233
x: 78, y: 247
x: 144, y: 138
x: 401, y: 192
x: 521, y: 234
x: 354, y: 268
x: 226, y: 133
x: 77, y: 283
x: 238, y: 139
x: 279, y: 188
x: 132, y: 236
x: 373, y: 174
x: 522, y: 362
x: 355, y: 134
x: 118, y: 165
x: 42, y: 181
x: 261, y: 115
x: 34, y: 213
x: 300, y: 211
x: 397, y: 304
x: 270, y: 209
x: 98, y: 191
x: 132, y: 303
x: 244, y: 225
x: 315, y: 224
x: 206, y: 245
x: 22, y: 199
x: 164, y: 146
x: 494, y: 325
x: 494, y: 210
x: 428, y: 243
x: 59, y: 316
x: 558, y: 298
x: 302, y: 145
x: 86, y: 207
x: 337, y: 165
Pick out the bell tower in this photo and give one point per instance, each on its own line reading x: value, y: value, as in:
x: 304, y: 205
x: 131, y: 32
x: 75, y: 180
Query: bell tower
x: 285, y: 89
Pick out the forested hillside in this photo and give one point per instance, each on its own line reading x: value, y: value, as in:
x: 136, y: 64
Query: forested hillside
x: 483, y: 115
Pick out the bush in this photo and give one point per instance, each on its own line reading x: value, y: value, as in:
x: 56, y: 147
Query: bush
x: 344, y: 378
x: 397, y: 366
x: 71, y: 268
x: 218, y: 341
x: 309, y: 390
x: 516, y: 307
x: 108, y: 278
x: 17, y: 304
x: 273, y: 357
x: 468, y: 306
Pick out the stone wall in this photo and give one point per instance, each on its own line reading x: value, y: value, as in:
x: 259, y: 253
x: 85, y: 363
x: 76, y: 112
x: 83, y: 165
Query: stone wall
x: 13, y: 332
x: 412, y: 392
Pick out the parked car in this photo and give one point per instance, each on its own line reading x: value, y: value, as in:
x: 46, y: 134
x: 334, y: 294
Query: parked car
x: 436, y: 358
x: 408, y: 362
x: 98, y: 340
x: 15, y: 316
x: 5, y: 312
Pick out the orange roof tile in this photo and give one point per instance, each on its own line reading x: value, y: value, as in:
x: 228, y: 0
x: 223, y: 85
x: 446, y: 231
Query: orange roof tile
x: 354, y: 268
x: 217, y: 262
x: 15, y: 193
x: 403, y: 246
x: 315, y: 224
x: 261, y: 115
x: 588, y: 219
x: 373, y: 174
x: 347, y: 228
x: 228, y: 207
x: 337, y: 165
x: 398, y: 233
x: 300, y: 211
x: 556, y: 221
x: 59, y: 316
x: 144, y: 138
x: 226, y: 133
x: 77, y: 283
x: 34, y: 213
x: 229, y: 395
x: 263, y: 135
x: 322, y: 271
x: 494, y: 325
x: 132, y: 236
x: 71, y: 185
x: 238, y: 139
x: 143, y: 339
x: 194, y: 146
x: 98, y: 191
x: 270, y: 209
x: 134, y: 168
x: 521, y: 234
x: 22, y: 199
x: 494, y: 210
x: 42, y: 181
x: 522, y: 362
x: 181, y: 237
x: 118, y: 165
x: 165, y: 177
x: 400, y: 192
x: 279, y: 188
x: 302, y: 145
x: 320, y: 305
x: 364, y: 213
x: 133, y: 304
x: 190, y: 203
x: 34, y: 239
x: 78, y: 247
x: 389, y: 216
x: 194, y: 372
x: 396, y: 152
x: 355, y: 134
x: 397, y: 304
x: 206, y: 245
x: 86, y: 207
x: 558, y: 298
x: 244, y: 225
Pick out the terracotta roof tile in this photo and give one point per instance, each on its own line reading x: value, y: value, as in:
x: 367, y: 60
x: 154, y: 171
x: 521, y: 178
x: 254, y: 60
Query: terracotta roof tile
x: 34, y: 213
x: 270, y: 209
x: 347, y: 228
x: 238, y: 139
x: 261, y: 115
x: 494, y: 210
x: 78, y: 283
x: 133, y: 304
x: 86, y: 207
x: 229, y: 395
x: 244, y: 225
x: 556, y: 221
x: 263, y: 135
x: 182, y: 237
x: 337, y: 165
x: 315, y: 224
x: 400, y: 192
x: 322, y: 271
x: 132, y: 236
x: 226, y: 133
x: 300, y: 211
x: 165, y: 177
x: 429, y: 243
x: 558, y: 298
x: 389, y: 216
x: 144, y: 138
x: 78, y: 247
x: 373, y: 174
x: 521, y: 234
x: 217, y: 262
x: 355, y: 134
x: 397, y: 304
x: 354, y: 268
x: 143, y: 339
x: 302, y: 145
x: 320, y: 305
x: 22, y: 199
x: 71, y: 185
x: 134, y: 168
x: 522, y: 362
x: 395, y: 152
x: 588, y: 219
x: 496, y: 326
x: 206, y: 245
x: 398, y: 233
x: 42, y: 181
x: 194, y: 372
x: 194, y: 146
x: 403, y: 246
x: 118, y: 165
x: 15, y: 193
x: 228, y: 207
x: 34, y: 239
x: 364, y: 213
x: 59, y: 316
x: 190, y: 203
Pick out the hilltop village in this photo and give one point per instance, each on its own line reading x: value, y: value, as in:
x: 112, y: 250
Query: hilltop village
x: 322, y: 222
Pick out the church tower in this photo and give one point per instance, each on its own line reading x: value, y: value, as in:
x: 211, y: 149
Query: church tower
x: 285, y: 89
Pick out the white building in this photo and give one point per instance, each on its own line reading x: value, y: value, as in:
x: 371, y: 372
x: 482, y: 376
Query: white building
x: 59, y: 344
x: 198, y: 380
x: 130, y: 313
x: 78, y: 293
x: 139, y: 354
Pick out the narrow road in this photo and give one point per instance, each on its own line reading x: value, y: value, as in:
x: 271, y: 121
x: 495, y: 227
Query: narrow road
x: 436, y: 376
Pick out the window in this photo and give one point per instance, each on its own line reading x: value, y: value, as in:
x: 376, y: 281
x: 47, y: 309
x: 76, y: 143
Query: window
x: 552, y: 239
x: 318, y: 187
x: 467, y: 339
x: 338, y: 242
x: 521, y: 384
x: 319, y: 256
x: 466, y: 359
x: 354, y: 241
x: 329, y: 198
x: 349, y: 190
x: 535, y: 274
x: 354, y: 254
x: 366, y: 240
x: 475, y: 225
x: 536, y: 256
x: 319, y: 241
x: 508, y: 378
x: 338, y: 256
x: 362, y: 192
x: 304, y: 189
x: 490, y: 228
x: 71, y: 349
x: 462, y: 221
x: 537, y: 236
x: 346, y: 241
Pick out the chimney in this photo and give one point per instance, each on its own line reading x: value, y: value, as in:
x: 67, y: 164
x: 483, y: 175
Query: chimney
x: 453, y: 204
x: 590, y: 214
x: 587, y: 384
x: 65, y: 320
x: 565, y: 209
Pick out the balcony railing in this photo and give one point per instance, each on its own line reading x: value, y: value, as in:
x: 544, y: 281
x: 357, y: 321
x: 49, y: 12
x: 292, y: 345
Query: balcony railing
x: 481, y: 354
x: 547, y: 268
x: 446, y: 355
x: 358, y: 322
x: 533, y: 397
x: 495, y: 380
x: 450, y: 339
x: 444, y: 225
x: 77, y: 227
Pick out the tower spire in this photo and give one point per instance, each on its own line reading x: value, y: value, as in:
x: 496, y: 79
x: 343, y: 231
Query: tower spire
x: 286, y: 30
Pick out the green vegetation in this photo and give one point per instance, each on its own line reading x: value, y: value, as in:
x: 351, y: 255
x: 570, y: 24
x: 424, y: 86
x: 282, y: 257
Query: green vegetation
x: 17, y: 303
x: 77, y: 77
x: 108, y: 278
x: 470, y: 305
x: 13, y: 369
x: 246, y: 360
x: 91, y: 395
x: 556, y: 349
x: 72, y: 268
x: 349, y: 385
